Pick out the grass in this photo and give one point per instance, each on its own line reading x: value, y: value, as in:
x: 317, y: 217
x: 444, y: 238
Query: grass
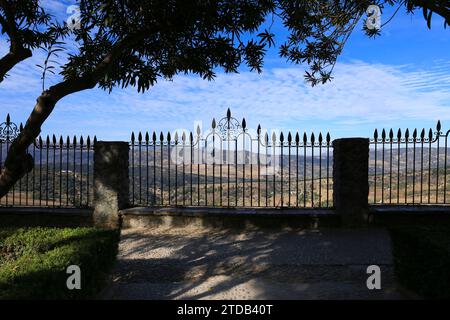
x: 422, y: 258
x: 33, y: 261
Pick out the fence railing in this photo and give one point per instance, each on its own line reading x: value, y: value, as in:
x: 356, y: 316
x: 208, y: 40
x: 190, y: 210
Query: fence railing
x: 409, y: 168
x: 229, y: 165
x: 62, y: 175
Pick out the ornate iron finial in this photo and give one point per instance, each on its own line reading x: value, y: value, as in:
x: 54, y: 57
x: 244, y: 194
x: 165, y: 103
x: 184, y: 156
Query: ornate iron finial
x: 229, y: 128
x: 8, y: 130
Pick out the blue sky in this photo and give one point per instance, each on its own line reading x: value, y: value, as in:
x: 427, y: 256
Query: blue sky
x: 400, y: 79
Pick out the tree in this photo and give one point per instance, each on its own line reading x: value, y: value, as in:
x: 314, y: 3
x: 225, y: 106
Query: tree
x: 136, y: 43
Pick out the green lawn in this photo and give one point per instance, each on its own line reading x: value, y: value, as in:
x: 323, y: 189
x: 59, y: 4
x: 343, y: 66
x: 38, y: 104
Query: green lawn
x: 33, y: 261
x: 422, y: 258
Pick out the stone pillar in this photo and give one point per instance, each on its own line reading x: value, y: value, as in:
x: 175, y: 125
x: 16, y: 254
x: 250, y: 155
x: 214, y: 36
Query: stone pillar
x: 110, y: 182
x: 351, y: 180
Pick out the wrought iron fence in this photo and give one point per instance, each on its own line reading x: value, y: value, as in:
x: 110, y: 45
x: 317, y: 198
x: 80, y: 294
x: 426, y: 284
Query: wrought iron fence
x: 407, y: 168
x: 62, y: 175
x: 231, y: 166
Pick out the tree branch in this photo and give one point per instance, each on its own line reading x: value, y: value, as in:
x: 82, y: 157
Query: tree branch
x: 17, y: 52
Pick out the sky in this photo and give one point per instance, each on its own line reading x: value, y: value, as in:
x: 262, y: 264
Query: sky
x: 400, y: 79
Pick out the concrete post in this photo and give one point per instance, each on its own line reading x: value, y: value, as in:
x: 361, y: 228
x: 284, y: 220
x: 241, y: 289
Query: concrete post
x: 351, y: 185
x: 110, y: 182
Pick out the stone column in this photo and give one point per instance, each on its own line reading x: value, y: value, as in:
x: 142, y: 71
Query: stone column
x: 110, y: 182
x: 351, y: 180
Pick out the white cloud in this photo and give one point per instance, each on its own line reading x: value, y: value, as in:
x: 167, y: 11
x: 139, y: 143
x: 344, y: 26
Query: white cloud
x: 361, y: 96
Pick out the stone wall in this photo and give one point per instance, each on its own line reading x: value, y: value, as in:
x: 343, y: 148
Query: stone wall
x: 351, y: 184
x: 110, y: 182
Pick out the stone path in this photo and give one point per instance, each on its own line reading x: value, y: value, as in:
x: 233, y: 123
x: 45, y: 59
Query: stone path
x: 189, y: 263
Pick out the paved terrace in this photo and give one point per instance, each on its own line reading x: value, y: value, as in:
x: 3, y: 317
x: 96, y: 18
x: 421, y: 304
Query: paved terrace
x: 210, y: 263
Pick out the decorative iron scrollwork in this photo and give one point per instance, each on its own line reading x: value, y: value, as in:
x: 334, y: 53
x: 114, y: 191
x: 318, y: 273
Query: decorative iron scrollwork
x: 229, y: 127
x: 8, y: 130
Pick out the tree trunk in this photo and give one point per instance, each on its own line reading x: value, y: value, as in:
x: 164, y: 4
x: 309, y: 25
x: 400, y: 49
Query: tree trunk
x: 18, y: 162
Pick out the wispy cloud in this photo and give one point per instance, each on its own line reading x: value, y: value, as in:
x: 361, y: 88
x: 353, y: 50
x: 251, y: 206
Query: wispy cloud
x: 361, y: 96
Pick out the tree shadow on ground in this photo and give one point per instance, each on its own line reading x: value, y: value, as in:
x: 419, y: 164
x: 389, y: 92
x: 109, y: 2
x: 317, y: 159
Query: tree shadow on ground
x: 208, y: 263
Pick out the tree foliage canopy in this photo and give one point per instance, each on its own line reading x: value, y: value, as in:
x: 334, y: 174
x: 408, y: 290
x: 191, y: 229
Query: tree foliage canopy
x: 162, y: 38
